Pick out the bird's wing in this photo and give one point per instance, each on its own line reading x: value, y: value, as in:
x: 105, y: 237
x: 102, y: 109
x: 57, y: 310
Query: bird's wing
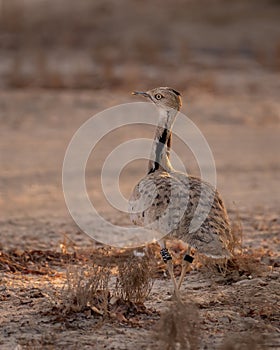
x: 185, y: 207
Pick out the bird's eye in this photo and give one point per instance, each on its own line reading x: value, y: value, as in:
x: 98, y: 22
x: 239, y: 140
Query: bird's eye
x: 158, y: 96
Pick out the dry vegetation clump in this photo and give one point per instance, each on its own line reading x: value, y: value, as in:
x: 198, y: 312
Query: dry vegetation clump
x: 135, y: 279
x: 236, y: 244
x: 86, y: 288
x: 249, y: 263
x: 90, y: 291
x: 246, y: 265
x: 178, y: 328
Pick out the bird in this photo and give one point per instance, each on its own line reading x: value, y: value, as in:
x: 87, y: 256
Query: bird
x: 166, y: 200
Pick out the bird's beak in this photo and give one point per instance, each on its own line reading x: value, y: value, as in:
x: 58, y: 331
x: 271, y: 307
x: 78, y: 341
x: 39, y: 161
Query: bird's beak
x: 144, y: 94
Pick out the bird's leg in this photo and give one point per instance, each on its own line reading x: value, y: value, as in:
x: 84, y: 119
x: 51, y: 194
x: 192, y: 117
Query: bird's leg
x: 167, y: 258
x: 187, y: 260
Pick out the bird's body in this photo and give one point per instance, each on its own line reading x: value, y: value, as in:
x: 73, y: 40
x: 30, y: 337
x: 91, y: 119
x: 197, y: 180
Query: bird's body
x: 153, y: 192
x: 174, y: 203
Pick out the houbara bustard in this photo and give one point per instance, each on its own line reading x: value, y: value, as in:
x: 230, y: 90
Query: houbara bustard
x: 166, y: 200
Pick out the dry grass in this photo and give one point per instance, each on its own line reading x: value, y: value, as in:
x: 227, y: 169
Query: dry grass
x: 236, y: 245
x: 178, y: 328
x: 239, y: 309
x: 245, y: 265
x: 135, y: 279
x: 86, y: 287
x: 89, y: 289
x: 249, y: 263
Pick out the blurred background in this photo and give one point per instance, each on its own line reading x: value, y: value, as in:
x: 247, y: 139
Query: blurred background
x: 107, y: 44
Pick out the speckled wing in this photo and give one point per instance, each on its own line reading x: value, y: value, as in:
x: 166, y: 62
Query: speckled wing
x: 184, y: 207
x: 156, y: 202
x: 213, y: 235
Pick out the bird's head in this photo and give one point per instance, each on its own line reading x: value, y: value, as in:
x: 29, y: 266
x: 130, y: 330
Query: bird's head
x: 163, y: 97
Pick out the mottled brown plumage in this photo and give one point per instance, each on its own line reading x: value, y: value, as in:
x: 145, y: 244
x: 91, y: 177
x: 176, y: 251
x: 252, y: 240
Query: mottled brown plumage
x: 176, y: 204
x: 154, y: 193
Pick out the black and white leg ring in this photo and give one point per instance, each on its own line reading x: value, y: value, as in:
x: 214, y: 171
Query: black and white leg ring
x: 165, y: 255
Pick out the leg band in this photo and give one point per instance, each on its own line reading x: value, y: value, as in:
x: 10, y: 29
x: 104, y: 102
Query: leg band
x: 165, y: 255
x: 188, y: 258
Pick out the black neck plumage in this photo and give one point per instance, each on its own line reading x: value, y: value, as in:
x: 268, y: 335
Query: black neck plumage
x: 163, y: 144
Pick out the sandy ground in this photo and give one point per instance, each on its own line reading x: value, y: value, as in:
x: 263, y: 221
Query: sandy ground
x: 240, y: 118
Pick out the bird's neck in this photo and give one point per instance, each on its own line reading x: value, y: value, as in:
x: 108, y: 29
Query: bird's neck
x: 159, y: 159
